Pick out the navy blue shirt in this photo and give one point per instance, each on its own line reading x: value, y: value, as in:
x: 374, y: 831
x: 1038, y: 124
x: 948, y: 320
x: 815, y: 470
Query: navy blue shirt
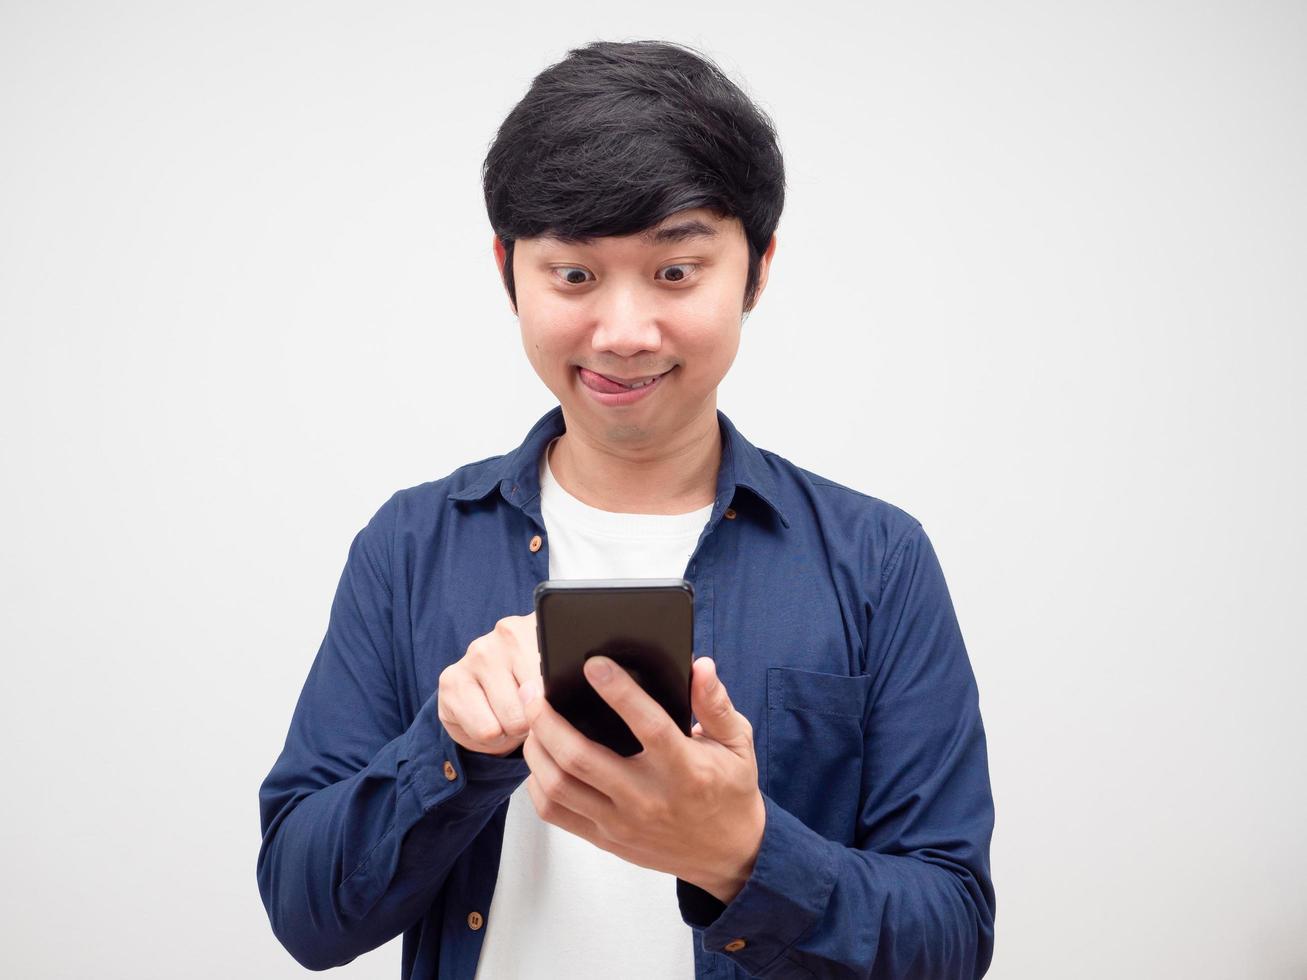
x: 828, y: 617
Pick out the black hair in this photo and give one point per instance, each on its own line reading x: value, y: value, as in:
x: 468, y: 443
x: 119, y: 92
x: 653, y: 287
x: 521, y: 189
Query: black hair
x: 620, y: 135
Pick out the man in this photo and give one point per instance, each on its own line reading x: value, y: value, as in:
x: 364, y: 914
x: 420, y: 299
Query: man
x: 830, y: 814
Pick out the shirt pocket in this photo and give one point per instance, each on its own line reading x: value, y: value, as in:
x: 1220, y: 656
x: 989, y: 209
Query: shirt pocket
x: 814, y: 747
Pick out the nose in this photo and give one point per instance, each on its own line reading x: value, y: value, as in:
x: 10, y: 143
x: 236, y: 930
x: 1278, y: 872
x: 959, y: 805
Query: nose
x: 628, y: 323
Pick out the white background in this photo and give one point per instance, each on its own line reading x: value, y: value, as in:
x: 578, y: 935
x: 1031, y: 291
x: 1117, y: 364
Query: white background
x: 1039, y: 281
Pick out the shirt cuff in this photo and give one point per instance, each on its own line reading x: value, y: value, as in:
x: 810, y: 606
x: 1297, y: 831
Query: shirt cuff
x: 783, y: 898
x: 438, y: 769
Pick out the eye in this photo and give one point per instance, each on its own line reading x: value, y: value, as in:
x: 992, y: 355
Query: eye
x: 682, y: 271
x: 569, y: 274
x: 575, y: 275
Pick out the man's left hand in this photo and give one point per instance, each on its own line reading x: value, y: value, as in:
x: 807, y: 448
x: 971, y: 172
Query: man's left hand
x: 689, y: 806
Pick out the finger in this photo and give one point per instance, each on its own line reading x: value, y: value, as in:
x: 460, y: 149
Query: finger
x: 525, y: 672
x: 588, y: 830
x: 718, y: 718
x: 553, y: 812
x: 469, y: 714
x: 461, y: 736
x: 647, y: 719
x: 526, y: 656
x: 561, y: 787
x: 499, y: 688
x: 595, y: 765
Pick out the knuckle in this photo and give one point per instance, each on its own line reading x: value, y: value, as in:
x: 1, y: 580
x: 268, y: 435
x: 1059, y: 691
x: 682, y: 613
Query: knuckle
x: 638, y: 812
x: 573, y: 760
x: 446, y: 709
x: 705, y: 781
x: 646, y: 811
x: 624, y: 830
x: 549, y: 809
x: 551, y: 784
x: 578, y: 761
x: 664, y: 730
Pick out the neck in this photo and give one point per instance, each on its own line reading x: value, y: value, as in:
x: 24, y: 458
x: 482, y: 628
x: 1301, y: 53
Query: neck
x: 636, y: 473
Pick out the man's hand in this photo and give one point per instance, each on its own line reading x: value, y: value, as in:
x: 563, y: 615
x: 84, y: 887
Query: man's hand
x: 687, y: 806
x: 477, y: 697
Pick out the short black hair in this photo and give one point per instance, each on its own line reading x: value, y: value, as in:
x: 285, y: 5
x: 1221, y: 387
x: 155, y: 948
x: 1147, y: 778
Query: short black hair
x: 622, y: 134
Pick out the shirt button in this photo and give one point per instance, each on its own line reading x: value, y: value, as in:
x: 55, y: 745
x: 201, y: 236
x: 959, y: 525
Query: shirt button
x: 730, y: 514
x: 474, y: 920
x: 450, y: 773
x: 535, y: 543
x: 733, y: 946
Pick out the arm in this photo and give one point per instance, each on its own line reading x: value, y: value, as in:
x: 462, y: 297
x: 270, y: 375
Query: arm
x: 913, y: 897
x: 361, y: 821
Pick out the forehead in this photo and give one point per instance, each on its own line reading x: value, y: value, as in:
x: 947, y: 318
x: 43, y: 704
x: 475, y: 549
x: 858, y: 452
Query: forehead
x: 685, y: 226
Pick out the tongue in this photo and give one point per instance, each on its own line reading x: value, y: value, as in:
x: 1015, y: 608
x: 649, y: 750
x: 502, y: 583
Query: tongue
x: 600, y: 383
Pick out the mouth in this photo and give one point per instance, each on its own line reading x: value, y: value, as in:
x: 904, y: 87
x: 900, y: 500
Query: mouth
x: 608, y: 390
x: 628, y: 383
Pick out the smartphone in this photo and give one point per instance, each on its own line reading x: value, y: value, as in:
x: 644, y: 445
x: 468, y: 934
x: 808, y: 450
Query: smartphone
x: 646, y: 625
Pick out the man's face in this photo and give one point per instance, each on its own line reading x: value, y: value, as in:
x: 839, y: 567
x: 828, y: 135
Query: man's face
x: 668, y: 305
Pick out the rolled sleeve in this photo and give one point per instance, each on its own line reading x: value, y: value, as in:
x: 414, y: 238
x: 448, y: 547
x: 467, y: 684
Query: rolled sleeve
x: 443, y: 771
x: 786, y: 895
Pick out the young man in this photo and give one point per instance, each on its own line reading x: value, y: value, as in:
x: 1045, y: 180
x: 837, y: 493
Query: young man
x: 830, y: 814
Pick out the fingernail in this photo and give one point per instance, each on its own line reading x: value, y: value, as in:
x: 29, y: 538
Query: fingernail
x: 599, y: 669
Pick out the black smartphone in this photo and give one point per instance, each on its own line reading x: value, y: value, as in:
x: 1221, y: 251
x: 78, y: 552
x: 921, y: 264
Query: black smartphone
x: 644, y: 624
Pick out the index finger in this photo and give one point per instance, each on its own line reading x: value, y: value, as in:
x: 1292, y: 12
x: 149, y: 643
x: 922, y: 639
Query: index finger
x: 526, y: 649
x: 647, y: 719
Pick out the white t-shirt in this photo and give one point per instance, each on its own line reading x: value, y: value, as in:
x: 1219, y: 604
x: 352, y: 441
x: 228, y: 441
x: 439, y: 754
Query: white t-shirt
x: 562, y: 906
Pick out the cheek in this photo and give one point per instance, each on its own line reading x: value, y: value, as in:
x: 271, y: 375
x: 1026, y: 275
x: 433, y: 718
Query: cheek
x: 545, y: 318
x: 546, y: 337
x: 715, y: 313
x: 714, y: 337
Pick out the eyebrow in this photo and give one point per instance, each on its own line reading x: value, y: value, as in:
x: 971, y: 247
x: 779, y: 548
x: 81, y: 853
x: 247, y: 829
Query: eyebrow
x: 682, y: 231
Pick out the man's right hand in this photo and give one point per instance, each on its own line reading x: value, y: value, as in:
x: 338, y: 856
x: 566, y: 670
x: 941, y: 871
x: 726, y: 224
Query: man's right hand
x: 476, y: 698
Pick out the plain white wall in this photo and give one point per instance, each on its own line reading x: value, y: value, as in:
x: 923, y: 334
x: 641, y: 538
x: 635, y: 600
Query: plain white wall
x: 1039, y: 281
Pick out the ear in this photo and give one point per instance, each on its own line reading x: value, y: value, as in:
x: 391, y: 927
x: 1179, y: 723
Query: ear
x: 764, y: 268
x: 500, y: 255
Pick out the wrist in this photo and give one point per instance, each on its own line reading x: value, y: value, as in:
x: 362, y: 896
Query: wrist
x: 724, y: 885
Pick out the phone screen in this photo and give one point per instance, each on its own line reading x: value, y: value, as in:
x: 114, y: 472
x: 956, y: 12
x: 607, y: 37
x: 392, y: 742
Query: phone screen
x: 644, y: 625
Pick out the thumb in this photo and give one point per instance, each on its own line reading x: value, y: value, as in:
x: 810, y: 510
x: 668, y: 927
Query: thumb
x: 717, y: 716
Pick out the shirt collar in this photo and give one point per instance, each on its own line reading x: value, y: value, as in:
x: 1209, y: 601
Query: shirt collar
x: 517, y: 475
